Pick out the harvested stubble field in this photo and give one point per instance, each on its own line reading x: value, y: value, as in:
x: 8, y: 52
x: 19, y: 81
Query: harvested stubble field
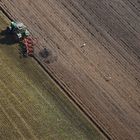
x: 102, y: 77
x: 32, y: 107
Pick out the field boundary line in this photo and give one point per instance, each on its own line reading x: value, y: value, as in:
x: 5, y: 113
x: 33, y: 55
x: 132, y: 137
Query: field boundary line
x: 66, y: 92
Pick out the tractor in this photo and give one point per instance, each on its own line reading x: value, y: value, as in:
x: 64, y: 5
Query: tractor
x: 18, y: 30
x: 21, y: 35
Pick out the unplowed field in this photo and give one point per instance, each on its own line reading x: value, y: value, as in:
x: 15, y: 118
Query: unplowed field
x: 102, y: 77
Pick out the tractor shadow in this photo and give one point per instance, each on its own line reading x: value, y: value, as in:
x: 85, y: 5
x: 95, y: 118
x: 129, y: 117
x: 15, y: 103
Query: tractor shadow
x: 7, y: 38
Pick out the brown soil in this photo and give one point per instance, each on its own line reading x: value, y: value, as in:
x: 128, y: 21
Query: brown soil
x: 102, y: 76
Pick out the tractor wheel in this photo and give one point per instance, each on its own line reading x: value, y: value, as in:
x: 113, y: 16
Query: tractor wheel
x: 16, y: 39
x: 8, y: 30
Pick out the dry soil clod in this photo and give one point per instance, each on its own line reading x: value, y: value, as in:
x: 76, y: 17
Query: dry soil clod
x: 108, y: 78
x: 83, y: 45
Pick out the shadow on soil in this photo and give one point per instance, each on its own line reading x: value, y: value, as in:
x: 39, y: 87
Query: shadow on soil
x: 47, y: 56
x: 6, y: 38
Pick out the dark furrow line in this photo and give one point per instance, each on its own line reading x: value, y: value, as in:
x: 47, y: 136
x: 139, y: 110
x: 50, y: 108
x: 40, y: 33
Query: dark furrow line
x: 134, y: 51
x: 133, y: 5
x: 113, y: 85
x: 70, y: 96
x: 99, y: 19
x: 102, y: 44
x: 107, y: 49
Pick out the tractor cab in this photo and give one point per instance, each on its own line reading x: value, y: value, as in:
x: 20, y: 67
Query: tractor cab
x: 18, y: 29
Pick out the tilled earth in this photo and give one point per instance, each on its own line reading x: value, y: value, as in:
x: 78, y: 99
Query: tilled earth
x: 103, y: 76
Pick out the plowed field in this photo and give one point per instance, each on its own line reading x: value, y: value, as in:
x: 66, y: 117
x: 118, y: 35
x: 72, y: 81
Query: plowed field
x: 101, y: 77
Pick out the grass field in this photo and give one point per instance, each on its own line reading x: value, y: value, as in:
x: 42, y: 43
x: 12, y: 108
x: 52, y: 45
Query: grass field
x: 31, y: 105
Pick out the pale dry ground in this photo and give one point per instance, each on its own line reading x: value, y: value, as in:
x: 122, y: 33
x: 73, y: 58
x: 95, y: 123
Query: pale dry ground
x: 111, y: 31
